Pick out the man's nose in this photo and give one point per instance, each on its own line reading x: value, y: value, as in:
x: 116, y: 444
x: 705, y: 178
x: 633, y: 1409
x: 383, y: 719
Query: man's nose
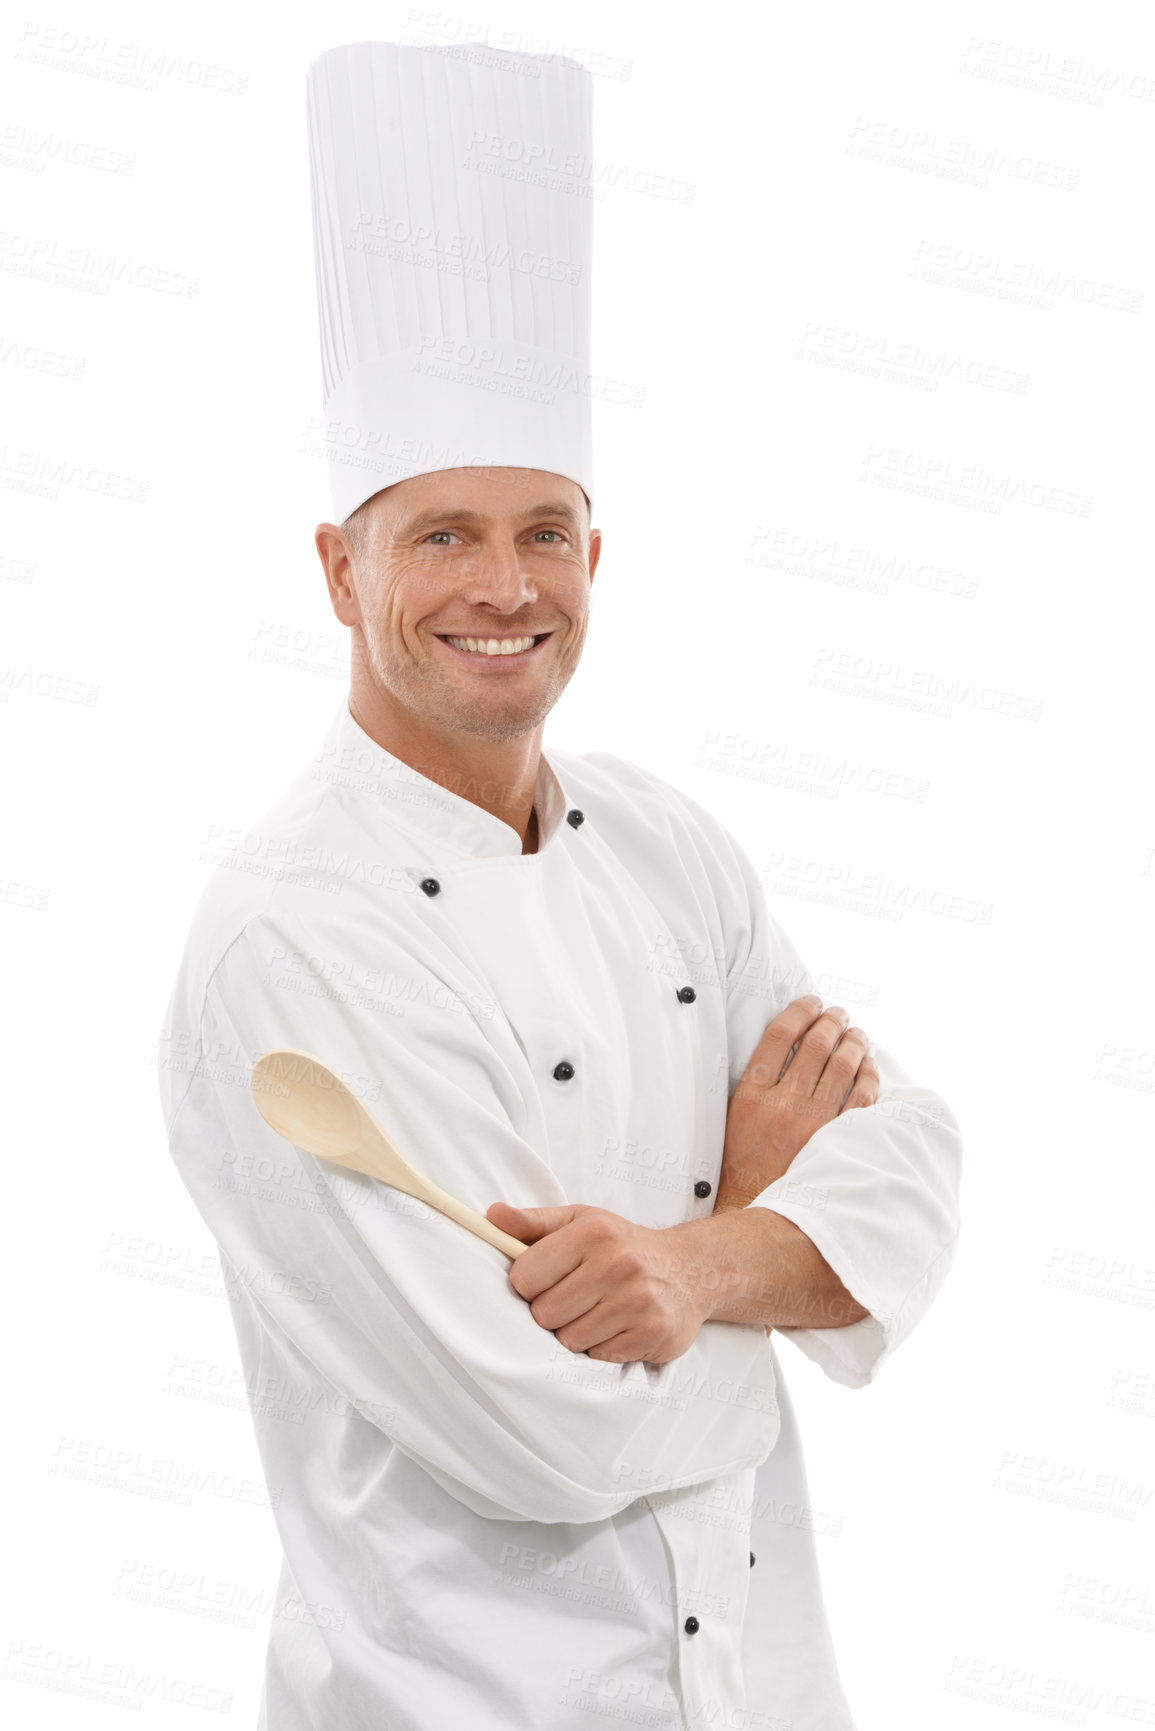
x: 497, y: 577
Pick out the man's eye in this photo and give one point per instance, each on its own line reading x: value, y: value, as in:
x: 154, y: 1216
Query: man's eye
x: 552, y: 532
x: 440, y: 535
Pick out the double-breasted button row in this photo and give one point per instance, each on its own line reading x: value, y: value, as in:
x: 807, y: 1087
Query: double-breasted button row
x: 564, y: 1070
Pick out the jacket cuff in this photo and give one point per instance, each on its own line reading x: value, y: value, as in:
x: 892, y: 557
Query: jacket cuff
x: 854, y: 1354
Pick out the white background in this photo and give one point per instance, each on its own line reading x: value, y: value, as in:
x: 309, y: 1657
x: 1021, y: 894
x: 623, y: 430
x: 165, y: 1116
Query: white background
x: 799, y: 551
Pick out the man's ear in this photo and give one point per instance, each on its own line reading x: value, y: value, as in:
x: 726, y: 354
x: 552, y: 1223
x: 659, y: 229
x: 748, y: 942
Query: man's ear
x: 595, y: 550
x: 339, y: 562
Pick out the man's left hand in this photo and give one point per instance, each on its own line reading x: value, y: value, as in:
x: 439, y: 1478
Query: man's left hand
x: 607, y: 1286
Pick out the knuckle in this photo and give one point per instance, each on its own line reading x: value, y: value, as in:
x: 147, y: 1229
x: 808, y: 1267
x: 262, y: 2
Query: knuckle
x: 625, y: 1262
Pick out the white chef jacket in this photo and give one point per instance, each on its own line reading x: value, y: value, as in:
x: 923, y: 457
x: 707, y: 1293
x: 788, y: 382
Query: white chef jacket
x: 482, y: 1530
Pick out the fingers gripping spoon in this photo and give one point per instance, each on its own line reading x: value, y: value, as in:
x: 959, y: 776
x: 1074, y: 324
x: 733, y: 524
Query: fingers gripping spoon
x: 307, y: 1103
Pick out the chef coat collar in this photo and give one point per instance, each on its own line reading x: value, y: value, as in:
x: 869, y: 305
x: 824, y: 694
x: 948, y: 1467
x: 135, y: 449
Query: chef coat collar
x: 354, y: 761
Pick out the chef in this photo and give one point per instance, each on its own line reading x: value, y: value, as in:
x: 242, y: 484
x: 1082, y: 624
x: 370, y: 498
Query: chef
x: 546, y: 1494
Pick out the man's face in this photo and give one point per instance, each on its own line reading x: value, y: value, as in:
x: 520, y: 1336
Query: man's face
x: 471, y: 593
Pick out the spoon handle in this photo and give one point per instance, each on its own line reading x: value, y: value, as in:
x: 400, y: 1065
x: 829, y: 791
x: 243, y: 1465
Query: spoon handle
x: 377, y: 1156
x: 472, y: 1220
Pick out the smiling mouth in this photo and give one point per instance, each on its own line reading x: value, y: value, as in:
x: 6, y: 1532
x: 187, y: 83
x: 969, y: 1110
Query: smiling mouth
x: 495, y: 647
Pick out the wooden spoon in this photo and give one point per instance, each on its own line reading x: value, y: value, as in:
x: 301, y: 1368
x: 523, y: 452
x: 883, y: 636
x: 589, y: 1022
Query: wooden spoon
x: 307, y: 1103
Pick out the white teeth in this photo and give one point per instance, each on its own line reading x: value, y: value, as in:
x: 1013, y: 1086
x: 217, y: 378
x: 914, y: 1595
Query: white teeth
x: 491, y: 645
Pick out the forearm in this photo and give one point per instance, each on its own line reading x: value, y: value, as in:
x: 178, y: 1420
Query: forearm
x: 760, y: 1268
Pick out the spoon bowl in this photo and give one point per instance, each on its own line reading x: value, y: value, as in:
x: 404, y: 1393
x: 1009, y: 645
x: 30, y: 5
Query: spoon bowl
x: 307, y: 1103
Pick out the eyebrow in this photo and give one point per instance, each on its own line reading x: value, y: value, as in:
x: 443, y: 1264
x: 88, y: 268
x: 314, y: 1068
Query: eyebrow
x: 436, y: 519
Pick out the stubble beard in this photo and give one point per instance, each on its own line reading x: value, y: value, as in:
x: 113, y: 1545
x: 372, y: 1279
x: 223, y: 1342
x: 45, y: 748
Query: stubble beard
x: 433, y: 694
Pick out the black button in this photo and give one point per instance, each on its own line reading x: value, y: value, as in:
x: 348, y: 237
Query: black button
x: 686, y: 994
x: 431, y: 886
x: 751, y: 1559
x: 691, y: 1625
x: 703, y: 1187
x: 575, y: 817
x: 563, y: 1071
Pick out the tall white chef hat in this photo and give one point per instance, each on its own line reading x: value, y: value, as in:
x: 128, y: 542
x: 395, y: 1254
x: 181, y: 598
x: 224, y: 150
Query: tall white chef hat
x: 452, y: 232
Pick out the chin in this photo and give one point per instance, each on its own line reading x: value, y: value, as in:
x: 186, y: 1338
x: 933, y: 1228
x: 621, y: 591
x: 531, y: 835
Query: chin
x: 501, y: 725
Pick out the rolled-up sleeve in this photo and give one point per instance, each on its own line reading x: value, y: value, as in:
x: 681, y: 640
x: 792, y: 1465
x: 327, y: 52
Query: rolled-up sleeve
x: 876, y: 1189
x: 405, y: 1314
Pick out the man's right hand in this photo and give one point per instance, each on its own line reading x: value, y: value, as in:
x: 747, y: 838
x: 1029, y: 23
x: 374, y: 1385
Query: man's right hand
x: 782, y: 1099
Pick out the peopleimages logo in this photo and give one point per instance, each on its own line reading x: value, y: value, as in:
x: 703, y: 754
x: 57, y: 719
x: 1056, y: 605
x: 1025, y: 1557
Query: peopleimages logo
x: 571, y: 170
x: 386, y: 231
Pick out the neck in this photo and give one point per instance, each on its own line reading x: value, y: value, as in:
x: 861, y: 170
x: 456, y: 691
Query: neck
x: 499, y: 775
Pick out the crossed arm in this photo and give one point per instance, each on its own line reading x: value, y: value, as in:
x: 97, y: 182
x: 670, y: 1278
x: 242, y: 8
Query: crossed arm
x: 621, y: 1292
